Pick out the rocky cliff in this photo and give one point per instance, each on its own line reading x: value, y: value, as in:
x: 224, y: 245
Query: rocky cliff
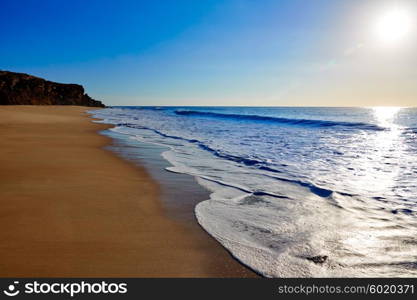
x: 24, y: 89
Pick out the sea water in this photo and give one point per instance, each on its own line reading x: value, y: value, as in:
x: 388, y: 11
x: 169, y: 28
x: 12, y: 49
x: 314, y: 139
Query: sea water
x: 296, y: 191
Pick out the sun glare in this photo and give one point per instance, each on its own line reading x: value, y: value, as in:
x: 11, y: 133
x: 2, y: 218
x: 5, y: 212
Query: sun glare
x: 394, y: 26
x: 385, y: 115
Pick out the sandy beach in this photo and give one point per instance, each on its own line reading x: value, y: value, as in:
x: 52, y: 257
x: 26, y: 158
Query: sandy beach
x: 70, y: 208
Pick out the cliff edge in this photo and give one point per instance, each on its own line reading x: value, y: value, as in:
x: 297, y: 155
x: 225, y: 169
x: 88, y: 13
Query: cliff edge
x: 24, y: 89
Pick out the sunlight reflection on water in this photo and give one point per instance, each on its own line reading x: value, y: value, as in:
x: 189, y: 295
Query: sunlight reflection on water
x: 375, y: 234
x: 385, y: 116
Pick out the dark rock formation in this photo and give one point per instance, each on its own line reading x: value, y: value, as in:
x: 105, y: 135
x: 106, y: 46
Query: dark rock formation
x: 320, y: 259
x: 24, y: 89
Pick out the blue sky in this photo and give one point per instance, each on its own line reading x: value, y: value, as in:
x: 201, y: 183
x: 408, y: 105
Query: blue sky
x: 235, y: 52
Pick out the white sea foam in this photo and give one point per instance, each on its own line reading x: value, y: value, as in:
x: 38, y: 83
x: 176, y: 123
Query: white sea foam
x: 294, y: 201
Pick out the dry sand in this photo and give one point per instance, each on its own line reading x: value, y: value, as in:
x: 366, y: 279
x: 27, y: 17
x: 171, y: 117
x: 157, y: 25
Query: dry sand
x: 69, y: 208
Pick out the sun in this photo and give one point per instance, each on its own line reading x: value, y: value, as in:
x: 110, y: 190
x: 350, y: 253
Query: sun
x: 393, y: 26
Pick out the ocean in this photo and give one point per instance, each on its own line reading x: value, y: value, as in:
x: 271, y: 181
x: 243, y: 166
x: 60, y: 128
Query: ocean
x: 295, y: 191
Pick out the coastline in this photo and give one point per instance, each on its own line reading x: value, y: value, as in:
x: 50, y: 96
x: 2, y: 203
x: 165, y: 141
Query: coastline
x: 73, y: 209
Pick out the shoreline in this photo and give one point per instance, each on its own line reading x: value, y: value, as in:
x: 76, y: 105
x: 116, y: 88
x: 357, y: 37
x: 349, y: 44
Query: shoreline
x: 178, y: 204
x: 74, y: 209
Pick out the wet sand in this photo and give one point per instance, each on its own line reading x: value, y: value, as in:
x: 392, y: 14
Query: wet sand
x: 70, y: 208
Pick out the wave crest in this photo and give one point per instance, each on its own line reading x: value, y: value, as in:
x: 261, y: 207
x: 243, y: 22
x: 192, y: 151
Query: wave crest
x: 288, y: 121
